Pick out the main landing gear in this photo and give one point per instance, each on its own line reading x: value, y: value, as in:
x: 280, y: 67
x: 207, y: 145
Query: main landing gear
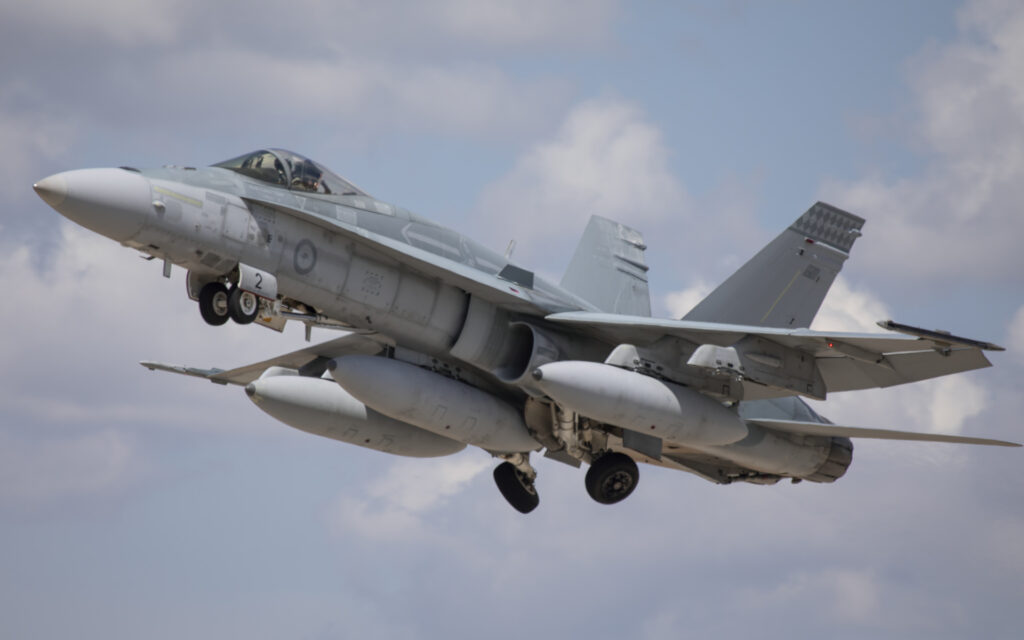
x: 516, y: 487
x: 217, y: 304
x: 515, y: 479
x: 612, y: 477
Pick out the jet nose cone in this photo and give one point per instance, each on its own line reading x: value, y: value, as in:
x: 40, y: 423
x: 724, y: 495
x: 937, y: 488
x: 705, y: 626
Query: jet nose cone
x: 52, y: 190
x: 112, y: 202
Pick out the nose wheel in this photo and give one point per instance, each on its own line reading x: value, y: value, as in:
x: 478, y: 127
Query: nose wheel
x: 213, y: 303
x: 243, y: 306
x: 612, y: 477
x: 217, y: 304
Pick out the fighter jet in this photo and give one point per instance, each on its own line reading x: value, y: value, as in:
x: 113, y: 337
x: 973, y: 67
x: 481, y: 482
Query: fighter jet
x: 445, y: 343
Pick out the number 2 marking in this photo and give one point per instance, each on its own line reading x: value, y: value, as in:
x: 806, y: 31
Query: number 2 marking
x: 259, y: 280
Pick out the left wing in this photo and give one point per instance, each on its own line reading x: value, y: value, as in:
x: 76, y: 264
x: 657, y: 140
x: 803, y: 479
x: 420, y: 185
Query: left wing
x: 846, y: 361
x: 309, y: 361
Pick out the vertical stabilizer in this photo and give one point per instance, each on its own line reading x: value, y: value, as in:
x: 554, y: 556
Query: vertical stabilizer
x: 608, y: 269
x: 786, y: 282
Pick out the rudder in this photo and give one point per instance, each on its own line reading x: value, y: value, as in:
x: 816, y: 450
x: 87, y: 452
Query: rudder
x: 608, y: 268
x: 786, y: 282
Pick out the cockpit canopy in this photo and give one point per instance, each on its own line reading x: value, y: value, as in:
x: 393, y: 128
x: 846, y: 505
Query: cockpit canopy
x: 290, y: 170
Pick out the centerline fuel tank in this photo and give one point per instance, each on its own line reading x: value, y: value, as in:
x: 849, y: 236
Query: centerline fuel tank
x: 433, y: 402
x: 321, y: 407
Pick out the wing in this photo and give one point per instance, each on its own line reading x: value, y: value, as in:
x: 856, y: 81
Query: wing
x: 846, y: 361
x: 309, y: 361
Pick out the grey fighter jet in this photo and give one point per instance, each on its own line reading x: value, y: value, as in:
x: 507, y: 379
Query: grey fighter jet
x: 445, y: 343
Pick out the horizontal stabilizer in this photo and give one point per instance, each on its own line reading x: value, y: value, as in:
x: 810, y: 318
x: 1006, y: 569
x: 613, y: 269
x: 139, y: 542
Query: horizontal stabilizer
x: 820, y: 429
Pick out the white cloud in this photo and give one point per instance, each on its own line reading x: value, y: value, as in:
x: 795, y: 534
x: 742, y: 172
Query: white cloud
x: 87, y: 313
x: 852, y: 596
x: 396, y: 504
x: 124, y: 22
x: 606, y: 159
x: 1004, y: 534
x: 382, y: 25
x: 529, y: 23
x: 471, y: 99
x: 34, y: 472
x: 953, y: 402
x: 679, y: 303
x: 846, y: 308
x: 29, y: 141
x: 1015, y: 335
x: 959, y: 219
x: 336, y: 70
x: 76, y: 403
x: 340, y: 94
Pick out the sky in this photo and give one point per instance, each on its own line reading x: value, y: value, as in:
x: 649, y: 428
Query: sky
x: 138, y: 504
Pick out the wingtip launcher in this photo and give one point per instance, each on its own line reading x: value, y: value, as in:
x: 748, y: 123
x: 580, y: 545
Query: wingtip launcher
x: 940, y: 337
x: 195, y: 372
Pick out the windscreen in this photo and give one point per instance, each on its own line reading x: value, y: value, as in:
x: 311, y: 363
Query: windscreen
x: 290, y: 170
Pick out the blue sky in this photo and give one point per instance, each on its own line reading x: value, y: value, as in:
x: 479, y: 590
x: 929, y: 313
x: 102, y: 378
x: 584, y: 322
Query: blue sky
x: 138, y: 504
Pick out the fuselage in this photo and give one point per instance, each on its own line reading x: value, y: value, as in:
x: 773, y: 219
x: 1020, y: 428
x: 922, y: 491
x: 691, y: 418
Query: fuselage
x: 211, y: 219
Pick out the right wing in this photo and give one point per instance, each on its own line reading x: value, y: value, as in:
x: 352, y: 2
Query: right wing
x: 846, y: 361
x: 309, y: 361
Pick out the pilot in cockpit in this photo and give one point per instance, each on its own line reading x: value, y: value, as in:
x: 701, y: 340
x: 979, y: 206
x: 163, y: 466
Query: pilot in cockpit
x: 306, y: 177
x: 290, y: 170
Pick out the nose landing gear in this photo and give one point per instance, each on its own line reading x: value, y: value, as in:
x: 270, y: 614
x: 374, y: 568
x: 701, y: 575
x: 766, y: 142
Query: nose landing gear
x: 243, y: 306
x: 213, y: 303
x: 217, y: 304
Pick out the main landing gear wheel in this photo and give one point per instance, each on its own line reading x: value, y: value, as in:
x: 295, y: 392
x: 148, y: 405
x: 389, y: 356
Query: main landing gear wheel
x: 213, y: 303
x: 516, y: 487
x: 243, y: 306
x: 612, y: 477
